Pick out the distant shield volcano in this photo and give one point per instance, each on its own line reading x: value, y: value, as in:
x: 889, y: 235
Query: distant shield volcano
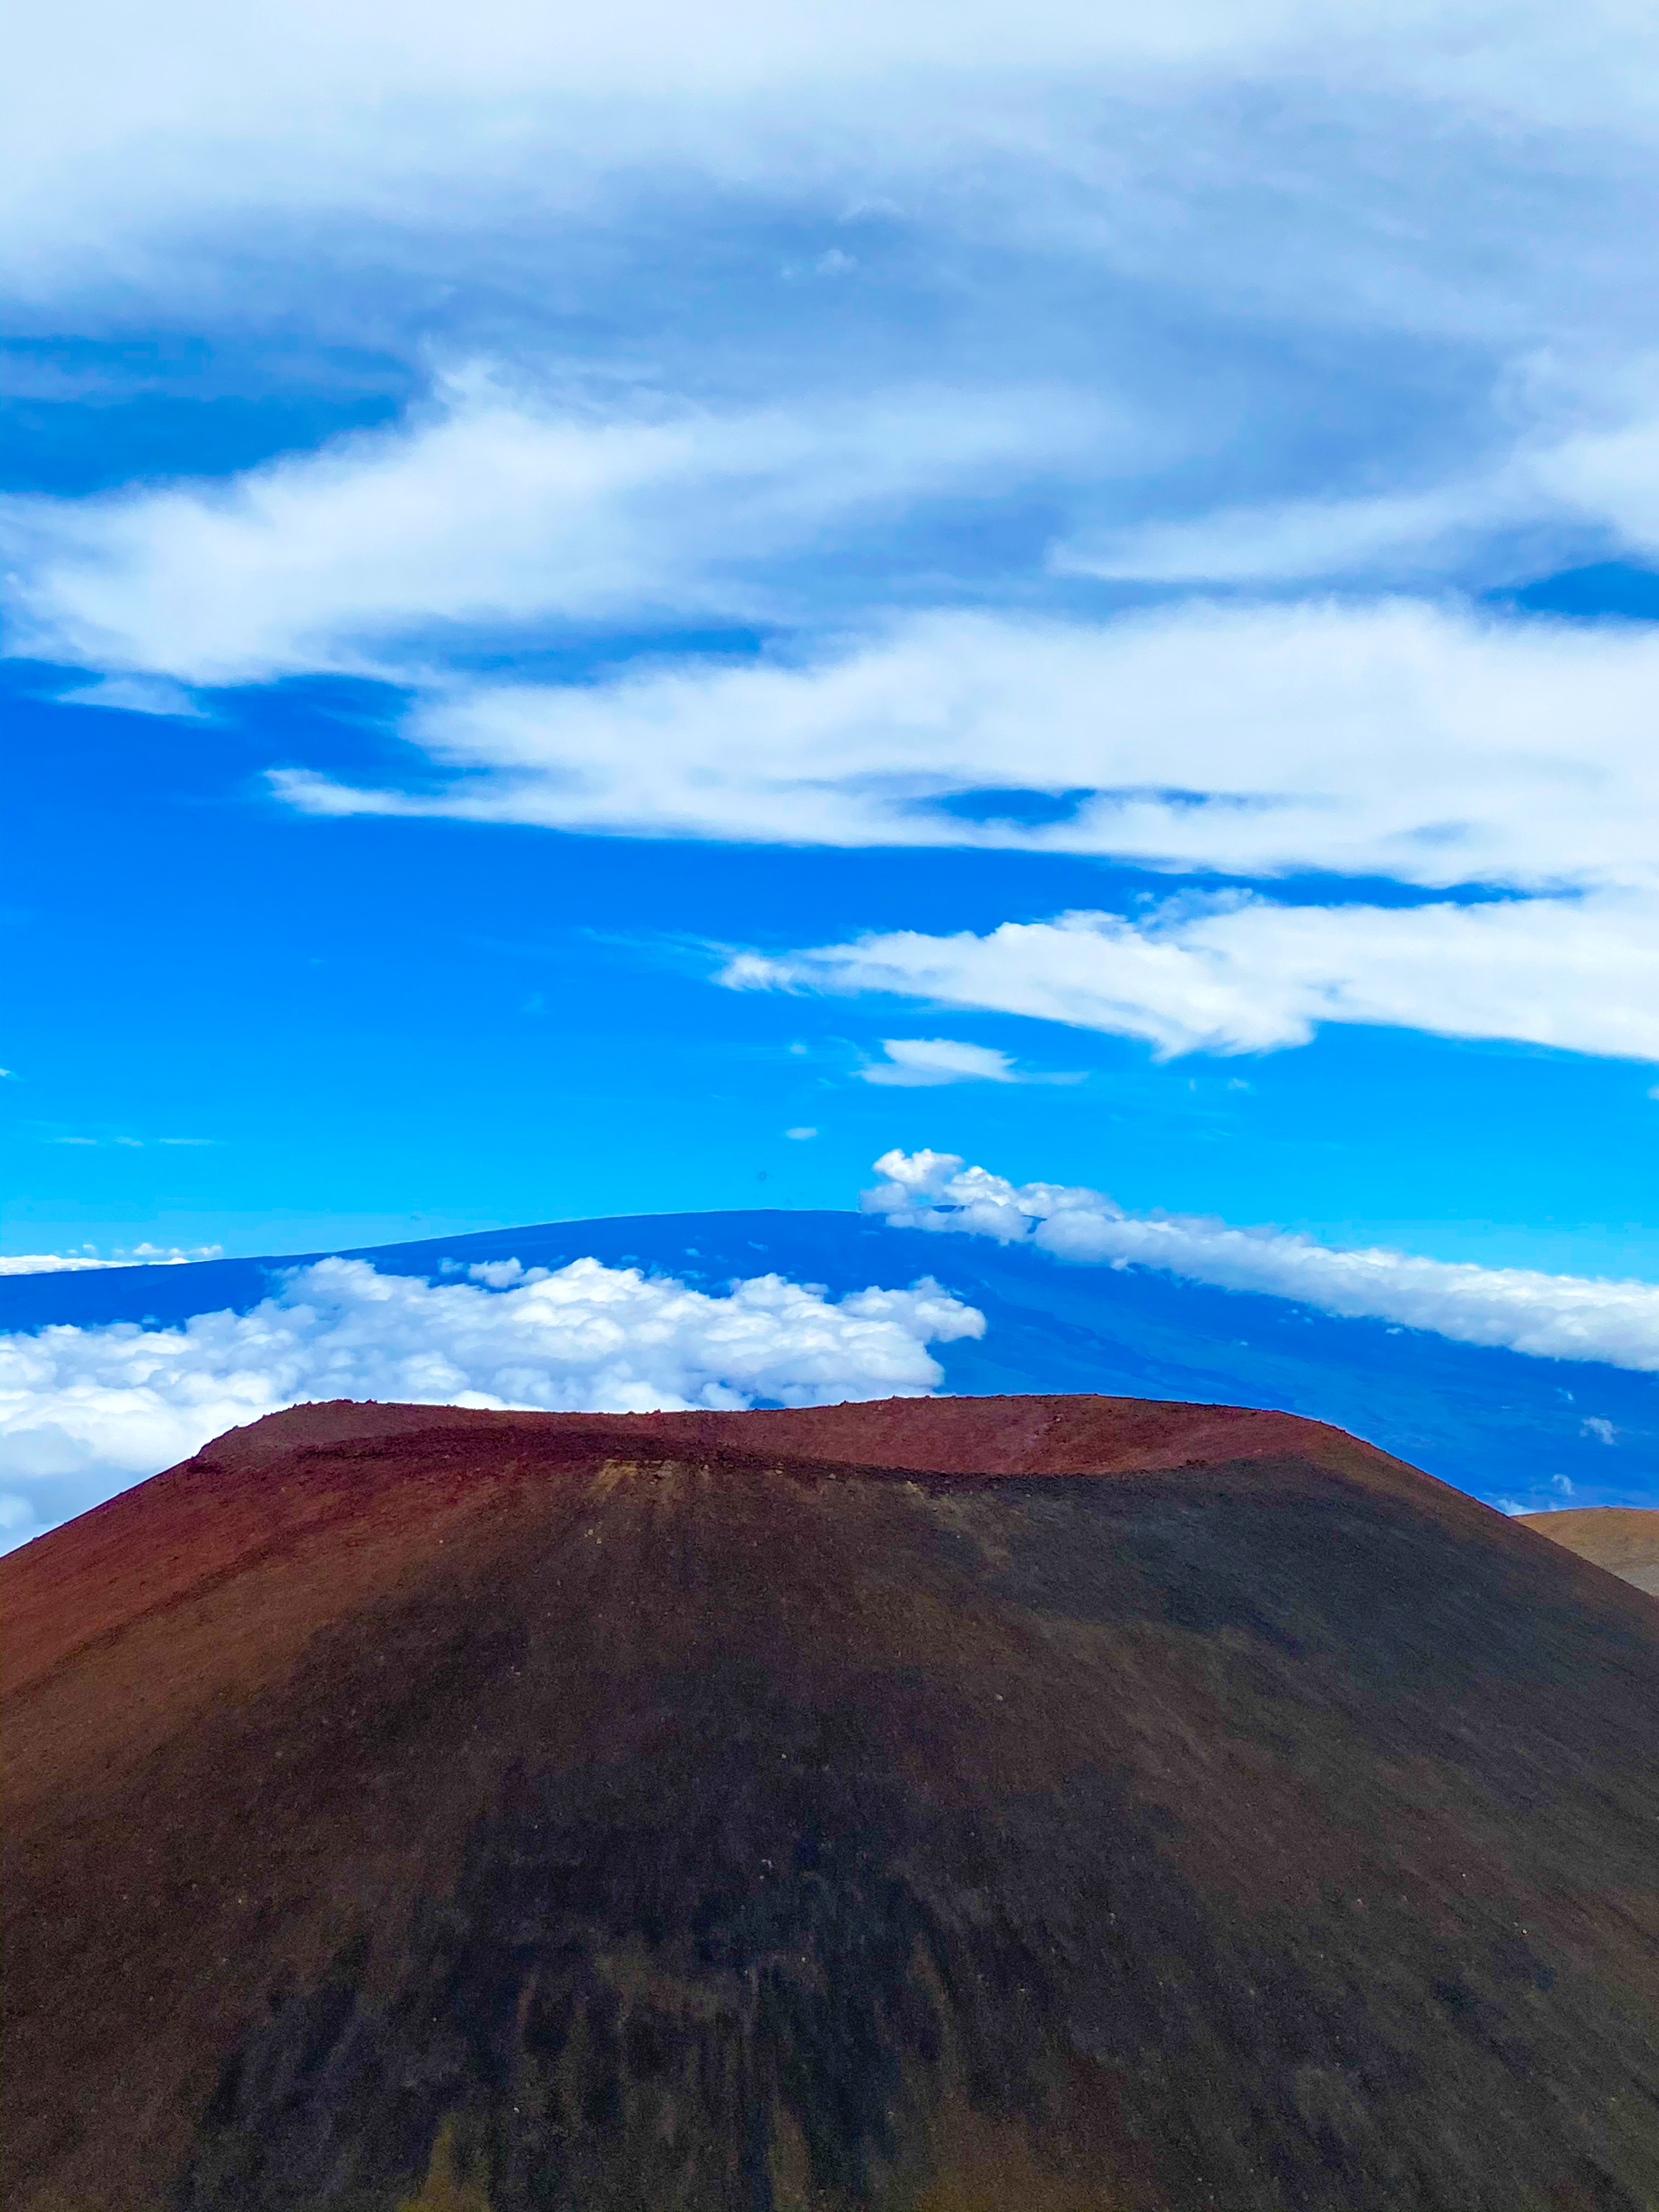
x: 1035, y: 1804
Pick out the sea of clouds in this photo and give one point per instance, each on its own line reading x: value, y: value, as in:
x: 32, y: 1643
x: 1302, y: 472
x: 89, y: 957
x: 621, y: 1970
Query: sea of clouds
x: 85, y: 1412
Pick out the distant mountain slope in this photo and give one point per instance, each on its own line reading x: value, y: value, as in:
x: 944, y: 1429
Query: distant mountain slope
x: 1623, y: 1538
x: 1498, y: 1423
x: 411, y: 1809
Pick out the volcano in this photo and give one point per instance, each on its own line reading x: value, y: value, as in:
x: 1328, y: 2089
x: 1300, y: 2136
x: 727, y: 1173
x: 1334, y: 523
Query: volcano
x: 1029, y: 1803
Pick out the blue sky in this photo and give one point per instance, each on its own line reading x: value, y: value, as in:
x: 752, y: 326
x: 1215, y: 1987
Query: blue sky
x: 581, y: 590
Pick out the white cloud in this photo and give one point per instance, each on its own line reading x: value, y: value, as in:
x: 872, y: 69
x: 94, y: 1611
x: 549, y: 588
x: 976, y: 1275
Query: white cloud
x: 45, y: 1263
x: 121, y: 127
x: 1611, y: 472
x: 1602, y: 1430
x: 1295, y: 539
x: 1387, y: 202
x: 494, y: 509
x: 1236, y: 973
x: 1259, y: 160
x: 1556, y: 1316
x: 1398, y: 740
x: 1589, y: 489
x: 919, y: 1062
x: 1395, y: 739
x: 916, y: 1063
x: 86, y: 1411
x: 147, y: 1255
x: 136, y: 694
x: 800, y: 1136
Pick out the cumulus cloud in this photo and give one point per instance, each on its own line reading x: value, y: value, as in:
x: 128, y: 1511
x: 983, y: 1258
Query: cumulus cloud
x: 1554, y: 1317
x: 86, y: 1411
x: 1238, y: 974
x: 917, y: 1063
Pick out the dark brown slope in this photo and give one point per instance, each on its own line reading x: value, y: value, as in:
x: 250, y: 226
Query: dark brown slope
x: 1036, y: 1803
x: 1623, y: 1538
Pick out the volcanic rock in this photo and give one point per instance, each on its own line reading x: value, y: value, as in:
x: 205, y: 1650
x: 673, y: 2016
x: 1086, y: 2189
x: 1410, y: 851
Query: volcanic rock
x: 1038, y: 1804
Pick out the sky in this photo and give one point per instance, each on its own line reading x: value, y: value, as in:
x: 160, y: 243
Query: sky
x: 629, y: 613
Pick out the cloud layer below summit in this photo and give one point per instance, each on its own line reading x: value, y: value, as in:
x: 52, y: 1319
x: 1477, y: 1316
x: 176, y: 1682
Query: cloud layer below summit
x: 1549, y: 1316
x: 86, y: 1411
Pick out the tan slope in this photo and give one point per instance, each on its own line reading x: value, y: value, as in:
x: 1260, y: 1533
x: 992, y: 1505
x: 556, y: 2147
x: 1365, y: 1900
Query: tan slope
x: 1624, y: 1539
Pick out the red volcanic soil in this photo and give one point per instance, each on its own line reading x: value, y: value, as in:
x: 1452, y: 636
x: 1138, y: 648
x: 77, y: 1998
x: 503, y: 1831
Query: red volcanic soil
x: 1030, y: 1803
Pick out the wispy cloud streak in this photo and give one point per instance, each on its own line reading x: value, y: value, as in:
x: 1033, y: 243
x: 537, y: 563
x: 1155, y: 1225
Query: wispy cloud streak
x: 1238, y: 974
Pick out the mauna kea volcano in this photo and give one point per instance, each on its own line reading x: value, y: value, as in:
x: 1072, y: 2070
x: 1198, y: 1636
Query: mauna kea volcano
x: 1037, y: 1804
